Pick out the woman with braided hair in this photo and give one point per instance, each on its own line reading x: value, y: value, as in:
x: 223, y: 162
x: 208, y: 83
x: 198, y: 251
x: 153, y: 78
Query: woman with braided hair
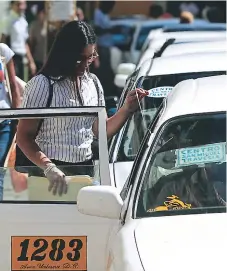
x: 67, y: 66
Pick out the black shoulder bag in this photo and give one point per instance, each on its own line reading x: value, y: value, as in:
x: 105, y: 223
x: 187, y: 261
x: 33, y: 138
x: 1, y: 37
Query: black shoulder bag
x: 95, y: 144
x: 97, y: 87
x: 22, y: 163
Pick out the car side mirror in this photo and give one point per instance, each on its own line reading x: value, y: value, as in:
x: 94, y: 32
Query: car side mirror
x: 126, y: 68
x: 101, y: 201
x: 120, y: 80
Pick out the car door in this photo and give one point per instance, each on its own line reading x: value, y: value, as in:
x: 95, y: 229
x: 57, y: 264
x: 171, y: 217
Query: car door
x: 40, y: 231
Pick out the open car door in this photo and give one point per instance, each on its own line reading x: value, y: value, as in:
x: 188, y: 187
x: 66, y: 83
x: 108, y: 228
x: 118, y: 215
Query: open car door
x: 40, y: 231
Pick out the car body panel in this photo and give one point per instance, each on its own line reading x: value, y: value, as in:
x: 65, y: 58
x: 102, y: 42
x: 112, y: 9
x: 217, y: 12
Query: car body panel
x: 123, y: 250
x: 203, y: 95
x: 195, y: 27
x: 58, y: 218
x: 161, y: 239
x: 173, y: 64
x: 182, y: 48
x: 196, y: 47
x: 157, y: 40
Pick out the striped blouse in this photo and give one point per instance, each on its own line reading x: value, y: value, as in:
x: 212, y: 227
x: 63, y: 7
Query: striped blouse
x: 64, y: 139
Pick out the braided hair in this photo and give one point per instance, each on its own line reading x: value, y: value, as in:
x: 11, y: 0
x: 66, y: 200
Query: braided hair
x: 67, y: 49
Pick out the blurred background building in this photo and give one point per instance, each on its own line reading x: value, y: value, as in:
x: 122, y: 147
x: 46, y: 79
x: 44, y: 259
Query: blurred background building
x: 38, y: 17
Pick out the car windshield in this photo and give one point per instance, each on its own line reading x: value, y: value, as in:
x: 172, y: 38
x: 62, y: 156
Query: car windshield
x: 137, y: 125
x: 186, y: 170
x: 144, y: 32
x: 191, y: 29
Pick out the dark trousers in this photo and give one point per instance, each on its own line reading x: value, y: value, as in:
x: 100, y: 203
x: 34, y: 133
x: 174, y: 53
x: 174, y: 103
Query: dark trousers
x: 19, y: 65
x: 5, y: 142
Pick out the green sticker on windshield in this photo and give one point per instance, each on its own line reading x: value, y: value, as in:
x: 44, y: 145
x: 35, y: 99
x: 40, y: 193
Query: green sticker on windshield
x: 210, y: 153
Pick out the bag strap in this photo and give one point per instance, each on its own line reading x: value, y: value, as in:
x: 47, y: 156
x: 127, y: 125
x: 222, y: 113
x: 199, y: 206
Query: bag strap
x: 97, y: 87
x: 49, y: 100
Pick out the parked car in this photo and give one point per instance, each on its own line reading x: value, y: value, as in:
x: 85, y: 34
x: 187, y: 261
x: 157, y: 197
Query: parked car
x: 144, y: 28
x: 180, y: 47
x: 156, y: 41
x: 195, y: 27
x: 161, y: 37
x: 175, y: 197
x: 141, y: 33
x: 123, y: 32
x: 159, y: 74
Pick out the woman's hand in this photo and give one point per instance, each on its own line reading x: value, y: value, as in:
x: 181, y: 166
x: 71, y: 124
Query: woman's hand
x: 57, y: 180
x: 132, y: 99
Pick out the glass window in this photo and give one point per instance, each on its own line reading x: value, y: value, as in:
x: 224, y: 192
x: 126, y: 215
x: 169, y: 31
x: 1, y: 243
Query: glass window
x: 187, y: 171
x: 137, y: 125
x: 122, y: 36
x: 144, y: 32
x: 130, y: 85
x: 66, y: 140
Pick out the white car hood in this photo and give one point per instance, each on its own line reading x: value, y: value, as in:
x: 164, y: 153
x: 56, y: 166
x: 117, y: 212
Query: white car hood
x: 183, y: 243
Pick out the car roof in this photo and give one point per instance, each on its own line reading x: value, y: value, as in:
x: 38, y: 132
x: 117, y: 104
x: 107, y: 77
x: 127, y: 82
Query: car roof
x: 158, y: 22
x: 125, y: 22
x: 186, y: 48
x: 196, y: 62
x: 129, y: 17
x: 195, y: 27
x: 175, y: 21
x: 194, y: 96
x: 189, y: 34
x: 195, y: 47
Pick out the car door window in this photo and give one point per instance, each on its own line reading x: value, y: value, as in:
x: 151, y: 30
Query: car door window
x: 28, y: 183
x: 130, y: 84
x: 137, y: 125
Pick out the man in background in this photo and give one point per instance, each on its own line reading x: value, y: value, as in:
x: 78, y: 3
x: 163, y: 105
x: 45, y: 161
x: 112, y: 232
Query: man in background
x: 190, y: 6
x: 186, y: 17
x: 80, y: 14
x: 38, y: 37
x: 157, y: 12
x: 103, y: 30
x: 15, y: 34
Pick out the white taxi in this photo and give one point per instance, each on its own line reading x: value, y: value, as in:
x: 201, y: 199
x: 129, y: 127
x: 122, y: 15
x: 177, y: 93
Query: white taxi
x: 158, y: 74
x: 156, y: 40
x: 173, y: 47
x: 171, y: 214
x: 160, y: 37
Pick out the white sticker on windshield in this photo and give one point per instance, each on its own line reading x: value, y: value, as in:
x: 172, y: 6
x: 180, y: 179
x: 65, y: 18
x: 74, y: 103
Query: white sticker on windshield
x: 159, y: 92
x: 200, y: 155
